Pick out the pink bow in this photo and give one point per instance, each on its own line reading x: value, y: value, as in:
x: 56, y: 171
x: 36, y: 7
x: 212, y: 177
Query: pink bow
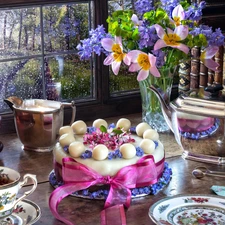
x: 77, y: 177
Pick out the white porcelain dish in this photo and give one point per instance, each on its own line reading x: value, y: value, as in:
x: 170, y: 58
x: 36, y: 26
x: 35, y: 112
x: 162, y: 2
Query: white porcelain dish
x: 189, y: 209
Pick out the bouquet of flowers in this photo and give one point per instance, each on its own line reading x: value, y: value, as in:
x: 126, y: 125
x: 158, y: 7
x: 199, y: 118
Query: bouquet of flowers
x: 152, y: 39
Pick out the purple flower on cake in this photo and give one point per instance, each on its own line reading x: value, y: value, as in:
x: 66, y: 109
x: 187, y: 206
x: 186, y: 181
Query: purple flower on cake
x: 112, y: 138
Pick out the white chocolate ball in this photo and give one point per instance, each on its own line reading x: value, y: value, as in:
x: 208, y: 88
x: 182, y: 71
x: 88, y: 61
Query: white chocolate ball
x: 141, y: 128
x: 76, y: 148
x: 100, y: 152
x: 148, y: 146
x: 79, y: 127
x: 123, y: 123
x: 65, y: 130
x: 66, y: 139
x: 151, y: 134
x: 100, y: 122
x: 128, y: 151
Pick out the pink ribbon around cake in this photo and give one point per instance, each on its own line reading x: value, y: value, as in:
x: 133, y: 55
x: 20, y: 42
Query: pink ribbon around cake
x: 77, y: 176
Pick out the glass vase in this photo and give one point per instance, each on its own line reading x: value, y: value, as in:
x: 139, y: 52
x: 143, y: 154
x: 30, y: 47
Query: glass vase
x: 151, y: 107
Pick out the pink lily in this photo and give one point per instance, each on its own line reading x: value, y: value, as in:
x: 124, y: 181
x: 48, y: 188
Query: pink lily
x: 144, y: 63
x: 117, y: 55
x: 178, y: 15
x: 206, y: 57
x: 136, y: 21
x: 172, y: 38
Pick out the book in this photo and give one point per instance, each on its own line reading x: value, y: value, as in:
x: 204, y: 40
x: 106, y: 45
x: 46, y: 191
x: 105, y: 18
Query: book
x: 184, y: 77
x: 218, y: 78
x: 195, y: 68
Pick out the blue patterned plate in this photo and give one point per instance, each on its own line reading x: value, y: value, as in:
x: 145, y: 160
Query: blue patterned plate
x: 189, y: 209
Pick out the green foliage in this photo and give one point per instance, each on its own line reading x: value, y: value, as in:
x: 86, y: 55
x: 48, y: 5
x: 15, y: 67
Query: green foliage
x: 76, y: 80
x: 103, y: 129
x: 117, y: 131
x: 120, y: 24
x: 158, y: 16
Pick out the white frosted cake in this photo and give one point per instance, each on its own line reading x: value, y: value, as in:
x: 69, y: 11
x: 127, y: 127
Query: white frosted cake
x: 108, y: 148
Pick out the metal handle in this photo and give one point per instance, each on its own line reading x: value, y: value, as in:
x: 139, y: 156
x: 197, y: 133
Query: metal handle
x: 21, y: 184
x: 73, y: 106
x: 203, y: 158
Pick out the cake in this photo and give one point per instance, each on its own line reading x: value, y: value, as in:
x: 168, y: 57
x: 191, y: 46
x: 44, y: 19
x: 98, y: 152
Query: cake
x: 108, y: 148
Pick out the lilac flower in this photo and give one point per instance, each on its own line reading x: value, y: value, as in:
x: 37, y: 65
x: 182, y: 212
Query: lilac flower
x: 93, y: 43
x: 169, y: 5
x: 217, y: 38
x: 143, y: 6
x: 194, y: 11
x: 213, y: 38
x: 148, y: 36
x: 160, y: 57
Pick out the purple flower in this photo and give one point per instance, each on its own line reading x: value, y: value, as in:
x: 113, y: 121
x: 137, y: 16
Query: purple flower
x: 143, y: 6
x: 139, y: 152
x: 93, y: 43
x: 160, y: 57
x: 148, y: 36
x: 213, y: 38
x: 194, y: 11
x: 86, y: 155
x: 169, y: 5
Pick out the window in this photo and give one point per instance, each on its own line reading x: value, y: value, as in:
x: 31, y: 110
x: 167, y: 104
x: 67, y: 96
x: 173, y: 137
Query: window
x: 38, y: 58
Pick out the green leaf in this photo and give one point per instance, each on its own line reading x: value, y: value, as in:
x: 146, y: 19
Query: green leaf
x: 131, y: 45
x: 117, y: 131
x: 103, y: 129
x: 135, y: 35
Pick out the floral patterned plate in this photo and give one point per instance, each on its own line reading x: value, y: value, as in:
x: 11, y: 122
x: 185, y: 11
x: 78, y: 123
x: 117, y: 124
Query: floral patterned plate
x: 189, y: 209
x: 26, y: 212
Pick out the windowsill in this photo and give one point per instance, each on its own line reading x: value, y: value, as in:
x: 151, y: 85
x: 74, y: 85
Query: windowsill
x: 87, y: 112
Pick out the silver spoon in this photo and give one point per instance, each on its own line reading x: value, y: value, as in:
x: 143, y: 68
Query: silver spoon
x: 201, y: 171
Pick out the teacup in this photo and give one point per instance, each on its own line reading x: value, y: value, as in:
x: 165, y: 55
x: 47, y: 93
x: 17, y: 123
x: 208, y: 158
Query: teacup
x: 10, y: 185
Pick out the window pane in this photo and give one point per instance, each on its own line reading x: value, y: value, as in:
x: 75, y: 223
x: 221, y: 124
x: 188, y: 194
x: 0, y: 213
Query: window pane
x: 20, y: 32
x: 114, y: 5
x: 20, y: 78
x: 74, y: 76
x: 42, y: 62
x: 65, y: 26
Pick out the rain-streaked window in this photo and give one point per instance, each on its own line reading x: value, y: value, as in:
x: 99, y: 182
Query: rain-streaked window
x: 39, y: 58
x: 38, y: 55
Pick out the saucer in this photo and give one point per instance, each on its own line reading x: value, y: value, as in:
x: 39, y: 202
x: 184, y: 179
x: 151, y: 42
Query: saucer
x: 26, y: 212
x: 189, y: 209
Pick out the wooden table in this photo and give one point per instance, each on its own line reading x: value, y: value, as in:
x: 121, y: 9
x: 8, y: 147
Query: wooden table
x: 85, y: 211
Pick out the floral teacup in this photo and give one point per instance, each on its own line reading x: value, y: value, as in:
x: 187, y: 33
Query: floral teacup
x: 9, y: 186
